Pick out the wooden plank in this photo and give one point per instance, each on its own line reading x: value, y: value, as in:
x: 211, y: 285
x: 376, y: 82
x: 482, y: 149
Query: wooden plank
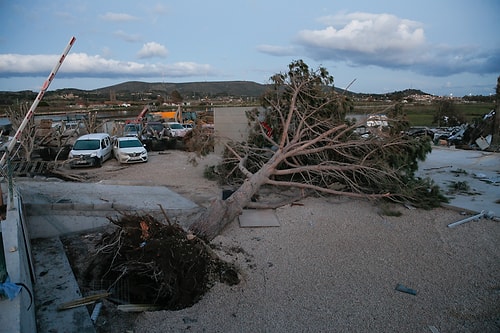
x: 138, y: 307
x: 83, y: 301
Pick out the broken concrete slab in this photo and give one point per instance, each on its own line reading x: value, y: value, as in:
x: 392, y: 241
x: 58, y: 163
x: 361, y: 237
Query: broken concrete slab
x: 448, y: 165
x: 57, y: 208
x: 85, y: 195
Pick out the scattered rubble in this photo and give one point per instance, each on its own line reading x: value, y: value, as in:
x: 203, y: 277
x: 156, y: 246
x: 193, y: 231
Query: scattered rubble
x: 477, y: 135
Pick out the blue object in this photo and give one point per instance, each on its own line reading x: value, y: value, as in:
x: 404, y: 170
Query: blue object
x: 10, y: 289
x: 404, y: 289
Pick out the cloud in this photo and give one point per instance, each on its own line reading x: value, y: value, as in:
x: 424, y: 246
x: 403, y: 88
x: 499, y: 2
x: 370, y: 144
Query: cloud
x: 132, y: 38
x: 366, y: 33
x: 118, y: 17
x: 387, y: 41
x: 83, y: 65
x: 365, y: 39
x: 152, y: 49
x: 276, y: 50
x: 446, y: 60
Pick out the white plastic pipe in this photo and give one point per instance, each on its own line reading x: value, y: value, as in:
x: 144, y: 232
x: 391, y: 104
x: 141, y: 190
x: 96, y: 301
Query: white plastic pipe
x: 483, y: 213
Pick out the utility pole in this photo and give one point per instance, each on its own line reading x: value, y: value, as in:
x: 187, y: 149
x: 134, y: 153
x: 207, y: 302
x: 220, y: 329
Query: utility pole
x: 495, y: 140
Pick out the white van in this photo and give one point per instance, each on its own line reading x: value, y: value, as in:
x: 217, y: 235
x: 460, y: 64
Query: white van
x: 91, y: 150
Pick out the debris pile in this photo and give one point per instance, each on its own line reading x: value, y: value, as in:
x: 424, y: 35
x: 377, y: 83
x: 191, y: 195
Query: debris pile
x: 160, y: 264
x: 477, y: 135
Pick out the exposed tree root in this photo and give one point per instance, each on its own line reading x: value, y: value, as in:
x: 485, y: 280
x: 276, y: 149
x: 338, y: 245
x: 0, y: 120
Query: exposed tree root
x: 160, y: 263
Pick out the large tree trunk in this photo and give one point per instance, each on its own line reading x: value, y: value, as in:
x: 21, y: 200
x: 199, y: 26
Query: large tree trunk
x: 220, y: 213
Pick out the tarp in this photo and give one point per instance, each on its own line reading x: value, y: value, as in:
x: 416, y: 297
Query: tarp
x: 11, y: 290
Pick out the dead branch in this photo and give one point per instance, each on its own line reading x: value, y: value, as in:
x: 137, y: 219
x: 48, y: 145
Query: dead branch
x: 275, y: 204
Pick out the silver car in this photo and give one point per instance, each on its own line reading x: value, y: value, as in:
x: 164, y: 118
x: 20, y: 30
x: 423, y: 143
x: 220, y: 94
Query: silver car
x: 176, y: 129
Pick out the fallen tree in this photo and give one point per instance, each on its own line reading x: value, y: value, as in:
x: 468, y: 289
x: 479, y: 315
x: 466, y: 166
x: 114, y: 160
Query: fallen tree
x: 303, y: 140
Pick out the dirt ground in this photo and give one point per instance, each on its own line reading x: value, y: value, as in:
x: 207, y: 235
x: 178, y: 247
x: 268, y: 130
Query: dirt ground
x: 180, y: 171
x: 332, y: 265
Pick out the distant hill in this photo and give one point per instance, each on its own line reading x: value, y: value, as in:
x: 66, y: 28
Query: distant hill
x: 228, y: 88
x: 225, y: 88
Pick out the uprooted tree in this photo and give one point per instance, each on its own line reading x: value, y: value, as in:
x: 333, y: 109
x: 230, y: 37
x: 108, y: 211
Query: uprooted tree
x: 302, y: 140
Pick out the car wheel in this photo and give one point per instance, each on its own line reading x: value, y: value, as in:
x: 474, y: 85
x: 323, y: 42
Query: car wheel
x: 98, y: 162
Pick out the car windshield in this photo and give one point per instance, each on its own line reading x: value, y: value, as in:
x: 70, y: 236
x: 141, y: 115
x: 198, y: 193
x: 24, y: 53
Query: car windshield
x: 86, y: 144
x: 156, y: 127
x: 131, y: 128
x: 129, y: 143
x: 176, y: 126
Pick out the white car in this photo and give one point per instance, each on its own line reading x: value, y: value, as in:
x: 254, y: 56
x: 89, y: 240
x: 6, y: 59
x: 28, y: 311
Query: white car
x: 129, y: 149
x: 90, y: 150
x: 176, y: 129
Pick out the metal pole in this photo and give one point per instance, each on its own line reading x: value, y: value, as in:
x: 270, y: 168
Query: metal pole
x: 485, y: 214
x: 468, y: 219
x: 31, y: 111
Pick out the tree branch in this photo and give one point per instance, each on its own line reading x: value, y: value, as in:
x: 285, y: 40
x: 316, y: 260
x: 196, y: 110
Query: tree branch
x: 326, y: 190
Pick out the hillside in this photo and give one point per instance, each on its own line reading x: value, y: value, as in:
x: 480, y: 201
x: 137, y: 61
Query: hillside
x: 140, y: 91
x: 224, y: 88
x: 218, y: 88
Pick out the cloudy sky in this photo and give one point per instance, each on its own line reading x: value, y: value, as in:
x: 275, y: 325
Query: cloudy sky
x: 442, y: 47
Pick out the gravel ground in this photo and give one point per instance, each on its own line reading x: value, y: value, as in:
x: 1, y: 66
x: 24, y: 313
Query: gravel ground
x: 333, y: 265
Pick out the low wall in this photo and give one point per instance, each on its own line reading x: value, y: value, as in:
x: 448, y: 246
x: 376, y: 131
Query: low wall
x: 17, y: 315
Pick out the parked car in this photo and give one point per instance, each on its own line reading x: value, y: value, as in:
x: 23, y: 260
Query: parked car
x: 129, y: 149
x: 153, y: 130
x: 132, y: 129
x: 176, y: 129
x: 90, y: 150
x: 156, y: 136
x: 421, y: 132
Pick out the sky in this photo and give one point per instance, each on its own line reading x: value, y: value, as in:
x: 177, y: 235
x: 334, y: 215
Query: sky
x: 442, y: 47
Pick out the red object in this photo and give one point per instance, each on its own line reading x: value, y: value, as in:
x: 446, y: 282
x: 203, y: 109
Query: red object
x: 269, y: 130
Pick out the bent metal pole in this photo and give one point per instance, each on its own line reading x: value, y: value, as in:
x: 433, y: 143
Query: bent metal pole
x: 31, y: 111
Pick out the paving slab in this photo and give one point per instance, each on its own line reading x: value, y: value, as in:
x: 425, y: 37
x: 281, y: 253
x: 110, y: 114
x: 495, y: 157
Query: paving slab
x: 57, y: 208
x: 253, y: 218
x: 84, y: 195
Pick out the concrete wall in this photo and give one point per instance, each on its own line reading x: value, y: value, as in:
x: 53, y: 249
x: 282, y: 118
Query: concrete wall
x: 17, y: 315
x: 230, y: 124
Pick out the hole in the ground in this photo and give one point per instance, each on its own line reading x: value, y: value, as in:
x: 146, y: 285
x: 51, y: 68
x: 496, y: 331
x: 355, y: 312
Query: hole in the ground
x: 143, y: 261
